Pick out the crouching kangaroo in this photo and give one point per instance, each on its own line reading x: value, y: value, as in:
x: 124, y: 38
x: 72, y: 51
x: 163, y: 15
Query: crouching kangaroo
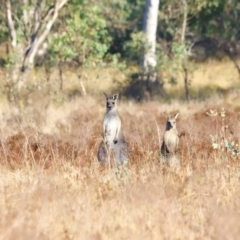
x: 170, y: 142
x: 113, y: 141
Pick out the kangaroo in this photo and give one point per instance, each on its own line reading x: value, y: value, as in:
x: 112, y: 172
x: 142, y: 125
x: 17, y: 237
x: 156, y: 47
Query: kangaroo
x: 113, y: 140
x: 170, y: 142
x: 111, y: 121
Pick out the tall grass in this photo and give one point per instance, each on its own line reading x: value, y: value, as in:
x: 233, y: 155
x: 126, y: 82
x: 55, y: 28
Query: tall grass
x: 52, y: 186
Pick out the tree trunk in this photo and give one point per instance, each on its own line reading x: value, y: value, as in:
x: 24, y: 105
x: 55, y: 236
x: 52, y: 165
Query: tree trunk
x: 186, y: 82
x: 149, y: 62
x: 149, y: 86
x: 185, y: 57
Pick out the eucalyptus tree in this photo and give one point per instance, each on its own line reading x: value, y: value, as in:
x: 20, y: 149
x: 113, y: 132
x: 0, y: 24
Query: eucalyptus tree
x: 29, y: 23
x: 149, y: 62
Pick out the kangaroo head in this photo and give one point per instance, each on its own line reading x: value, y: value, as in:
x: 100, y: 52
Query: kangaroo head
x: 171, y: 121
x: 111, y: 102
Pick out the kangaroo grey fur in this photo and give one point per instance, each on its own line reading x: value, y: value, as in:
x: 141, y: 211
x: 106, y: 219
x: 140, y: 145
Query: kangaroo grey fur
x: 170, y: 142
x: 113, y: 139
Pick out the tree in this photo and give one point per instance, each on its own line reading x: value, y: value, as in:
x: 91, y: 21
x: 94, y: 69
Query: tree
x: 29, y: 26
x: 90, y: 34
x: 149, y: 62
x: 149, y: 85
x: 81, y: 38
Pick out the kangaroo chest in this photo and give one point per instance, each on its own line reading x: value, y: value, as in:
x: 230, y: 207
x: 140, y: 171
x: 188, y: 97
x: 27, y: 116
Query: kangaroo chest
x: 171, y: 138
x: 111, y: 123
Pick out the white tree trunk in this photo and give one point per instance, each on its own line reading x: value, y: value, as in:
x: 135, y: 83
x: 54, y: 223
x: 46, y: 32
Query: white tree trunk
x: 149, y: 62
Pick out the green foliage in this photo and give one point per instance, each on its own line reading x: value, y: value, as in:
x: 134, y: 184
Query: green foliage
x: 123, y: 18
x: 134, y: 48
x: 179, y: 50
x: 82, y: 36
x: 122, y: 173
x: 3, y: 28
x: 215, y: 18
x: 223, y: 141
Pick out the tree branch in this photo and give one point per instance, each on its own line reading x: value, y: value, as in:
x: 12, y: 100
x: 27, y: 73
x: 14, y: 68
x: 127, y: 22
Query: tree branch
x: 48, y: 13
x: 15, y: 17
x: 185, y: 15
x: 38, y: 42
x: 32, y: 48
x: 25, y: 17
x: 11, y: 24
x: 37, y: 25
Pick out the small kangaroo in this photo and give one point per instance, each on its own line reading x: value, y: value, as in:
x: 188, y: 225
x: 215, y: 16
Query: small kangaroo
x: 169, y: 146
x: 112, y: 135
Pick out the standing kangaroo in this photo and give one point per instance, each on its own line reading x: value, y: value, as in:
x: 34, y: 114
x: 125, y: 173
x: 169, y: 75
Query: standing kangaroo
x: 113, y: 140
x: 111, y: 121
x: 170, y: 142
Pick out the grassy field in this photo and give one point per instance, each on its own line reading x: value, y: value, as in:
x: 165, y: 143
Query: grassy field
x: 52, y: 186
x: 206, y: 78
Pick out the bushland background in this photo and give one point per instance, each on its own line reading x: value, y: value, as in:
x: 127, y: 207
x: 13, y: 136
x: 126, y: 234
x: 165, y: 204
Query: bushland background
x: 51, y: 108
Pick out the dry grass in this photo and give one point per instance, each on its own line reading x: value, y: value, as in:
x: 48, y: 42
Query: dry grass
x: 206, y: 78
x: 52, y: 186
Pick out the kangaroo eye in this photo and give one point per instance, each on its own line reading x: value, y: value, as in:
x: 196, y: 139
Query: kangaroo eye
x: 113, y: 103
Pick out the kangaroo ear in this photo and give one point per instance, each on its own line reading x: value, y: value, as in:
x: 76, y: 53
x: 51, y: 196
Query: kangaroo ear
x: 176, y: 115
x: 115, y: 96
x: 105, y: 95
